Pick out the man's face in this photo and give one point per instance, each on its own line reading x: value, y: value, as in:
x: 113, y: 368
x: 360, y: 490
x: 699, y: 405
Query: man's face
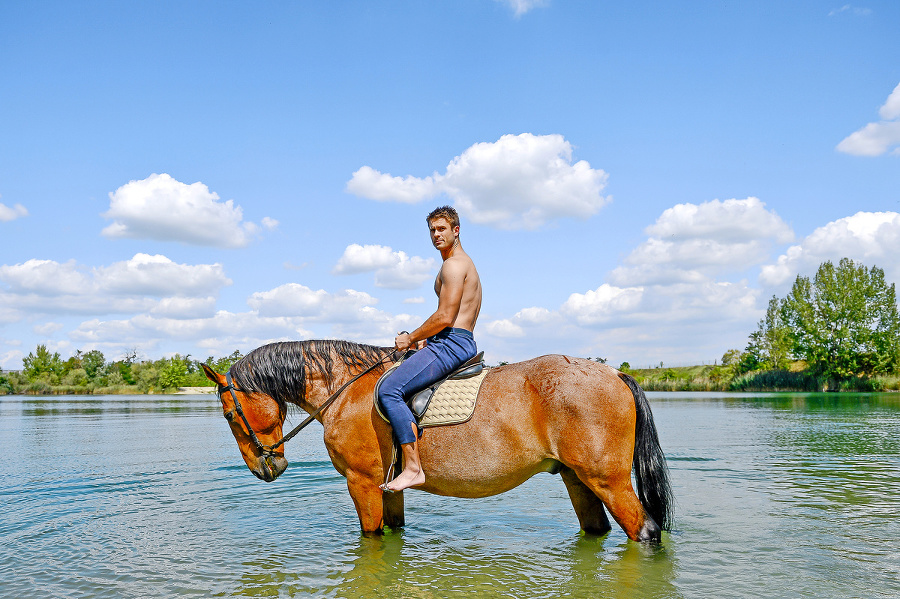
x: 443, y: 236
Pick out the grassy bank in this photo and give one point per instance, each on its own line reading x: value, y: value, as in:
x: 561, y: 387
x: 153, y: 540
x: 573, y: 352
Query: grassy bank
x: 718, y: 378
x: 8, y: 387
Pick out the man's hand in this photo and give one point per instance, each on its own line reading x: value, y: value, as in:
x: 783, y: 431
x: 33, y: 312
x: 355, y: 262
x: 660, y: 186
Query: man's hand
x: 402, y: 341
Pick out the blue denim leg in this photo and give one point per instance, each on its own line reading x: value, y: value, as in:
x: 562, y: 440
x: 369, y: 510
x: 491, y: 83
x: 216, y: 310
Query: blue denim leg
x: 443, y: 354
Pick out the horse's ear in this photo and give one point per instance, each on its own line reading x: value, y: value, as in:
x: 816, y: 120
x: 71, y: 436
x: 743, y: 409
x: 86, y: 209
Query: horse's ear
x: 213, y: 375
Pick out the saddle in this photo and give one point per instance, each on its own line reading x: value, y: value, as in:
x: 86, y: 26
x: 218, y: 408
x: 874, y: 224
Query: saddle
x: 456, y: 394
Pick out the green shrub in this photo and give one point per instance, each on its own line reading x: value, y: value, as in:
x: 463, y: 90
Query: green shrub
x: 775, y: 380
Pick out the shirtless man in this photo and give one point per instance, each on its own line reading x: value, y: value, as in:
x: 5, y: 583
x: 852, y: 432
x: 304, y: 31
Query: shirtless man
x: 450, y: 342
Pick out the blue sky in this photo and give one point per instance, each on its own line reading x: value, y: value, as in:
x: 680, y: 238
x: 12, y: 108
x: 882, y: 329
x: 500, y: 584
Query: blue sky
x: 635, y: 180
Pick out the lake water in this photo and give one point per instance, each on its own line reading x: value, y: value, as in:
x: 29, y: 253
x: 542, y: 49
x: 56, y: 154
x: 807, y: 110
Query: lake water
x: 140, y: 496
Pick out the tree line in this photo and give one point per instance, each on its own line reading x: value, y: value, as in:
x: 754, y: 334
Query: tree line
x: 45, y: 372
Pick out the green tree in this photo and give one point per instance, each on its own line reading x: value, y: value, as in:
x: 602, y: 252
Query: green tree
x: 76, y: 377
x: 147, y: 375
x: 844, y: 322
x: 174, y: 372
x: 732, y: 361
x: 770, y: 344
x: 93, y: 363
x: 123, y: 368
x: 669, y: 374
x: 41, y: 364
x: 224, y: 364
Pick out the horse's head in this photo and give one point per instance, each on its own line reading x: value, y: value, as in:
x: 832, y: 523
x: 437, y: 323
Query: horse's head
x: 262, y: 418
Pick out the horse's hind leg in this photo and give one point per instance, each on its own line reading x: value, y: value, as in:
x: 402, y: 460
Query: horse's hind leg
x: 617, y: 494
x: 588, y: 507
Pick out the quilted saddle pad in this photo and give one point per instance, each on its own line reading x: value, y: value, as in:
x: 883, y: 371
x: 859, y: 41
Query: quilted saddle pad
x: 453, y: 401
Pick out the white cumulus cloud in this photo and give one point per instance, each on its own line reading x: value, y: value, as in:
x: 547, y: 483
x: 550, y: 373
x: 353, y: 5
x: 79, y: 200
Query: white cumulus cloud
x: 518, y: 182
x: 7, y: 214
x: 293, y: 299
x: 162, y: 208
x: 504, y: 327
x: 602, y: 304
x: 183, y: 308
x: 870, y: 237
x: 143, y: 283
x: 45, y: 277
x: 374, y: 185
x: 729, y: 221
x: 690, y: 242
x: 877, y: 138
x: 159, y: 276
x: 393, y: 270
x: 528, y: 318
x: 48, y: 328
x: 891, y: 108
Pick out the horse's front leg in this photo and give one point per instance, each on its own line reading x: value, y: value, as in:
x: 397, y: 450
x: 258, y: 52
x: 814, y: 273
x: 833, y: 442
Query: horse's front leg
x: 375, y: 508
x: 367, y: 498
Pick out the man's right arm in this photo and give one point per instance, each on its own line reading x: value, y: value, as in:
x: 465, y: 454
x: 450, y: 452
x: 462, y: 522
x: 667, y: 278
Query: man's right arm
x: 453, y: 277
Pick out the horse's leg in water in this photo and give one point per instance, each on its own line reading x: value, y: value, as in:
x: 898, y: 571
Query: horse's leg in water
x: 618, y: 496
x: 367, y: 498
x: 588, y: 507
x: 393, y: 509
x: 375, y: 508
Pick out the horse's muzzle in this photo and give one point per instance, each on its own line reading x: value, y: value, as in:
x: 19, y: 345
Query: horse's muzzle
x: 269, y: 467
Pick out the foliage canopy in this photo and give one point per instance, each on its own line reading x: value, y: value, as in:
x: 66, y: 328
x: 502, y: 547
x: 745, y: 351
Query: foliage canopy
x: 843, y: 322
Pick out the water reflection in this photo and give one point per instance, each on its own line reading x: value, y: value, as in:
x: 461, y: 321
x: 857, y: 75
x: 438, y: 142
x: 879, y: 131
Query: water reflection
x: 99, y: 406
x: 413, y: 564
x: 581, y: 566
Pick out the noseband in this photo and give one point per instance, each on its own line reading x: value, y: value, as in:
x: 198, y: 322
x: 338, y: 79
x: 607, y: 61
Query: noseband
x: 269, y: 450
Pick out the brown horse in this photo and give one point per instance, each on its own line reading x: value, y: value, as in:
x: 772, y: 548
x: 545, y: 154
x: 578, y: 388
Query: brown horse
x: 583, y: 420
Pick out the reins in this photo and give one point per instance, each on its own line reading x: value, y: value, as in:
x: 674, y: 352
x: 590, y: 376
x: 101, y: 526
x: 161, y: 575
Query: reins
x: 270, y: 449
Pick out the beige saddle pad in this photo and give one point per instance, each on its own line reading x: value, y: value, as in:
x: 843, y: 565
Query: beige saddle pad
x: 453, y: 401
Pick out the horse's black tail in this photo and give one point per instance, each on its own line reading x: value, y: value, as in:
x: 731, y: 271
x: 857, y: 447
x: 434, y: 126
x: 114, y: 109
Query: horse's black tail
x: 650, y: 470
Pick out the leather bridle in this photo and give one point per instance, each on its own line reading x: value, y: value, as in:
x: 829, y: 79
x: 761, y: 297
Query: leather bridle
x: 269, y: 450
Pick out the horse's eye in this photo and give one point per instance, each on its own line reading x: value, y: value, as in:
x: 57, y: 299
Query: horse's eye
x: 229, y: 416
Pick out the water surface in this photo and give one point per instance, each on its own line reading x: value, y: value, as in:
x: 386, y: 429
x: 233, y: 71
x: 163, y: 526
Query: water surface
x: 133, y: 496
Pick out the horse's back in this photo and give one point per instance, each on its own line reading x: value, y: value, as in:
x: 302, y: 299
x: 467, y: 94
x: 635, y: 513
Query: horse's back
x: 561, y: 382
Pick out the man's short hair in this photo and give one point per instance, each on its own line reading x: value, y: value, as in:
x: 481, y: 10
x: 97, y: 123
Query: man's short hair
x: 448, y: 212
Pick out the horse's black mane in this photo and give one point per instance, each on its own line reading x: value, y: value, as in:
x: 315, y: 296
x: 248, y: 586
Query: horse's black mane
x: 280, y: 369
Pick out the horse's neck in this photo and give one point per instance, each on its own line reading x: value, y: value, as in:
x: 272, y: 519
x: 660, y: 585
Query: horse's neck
x: 319, y: 390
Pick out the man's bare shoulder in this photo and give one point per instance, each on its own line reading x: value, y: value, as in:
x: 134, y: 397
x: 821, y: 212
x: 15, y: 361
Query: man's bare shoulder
x: 458, y: 265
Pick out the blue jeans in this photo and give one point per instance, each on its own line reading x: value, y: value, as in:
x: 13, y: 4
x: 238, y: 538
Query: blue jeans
x: 444, y: 353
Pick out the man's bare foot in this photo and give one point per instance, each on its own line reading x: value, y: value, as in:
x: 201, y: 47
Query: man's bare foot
x: 410, y: 477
